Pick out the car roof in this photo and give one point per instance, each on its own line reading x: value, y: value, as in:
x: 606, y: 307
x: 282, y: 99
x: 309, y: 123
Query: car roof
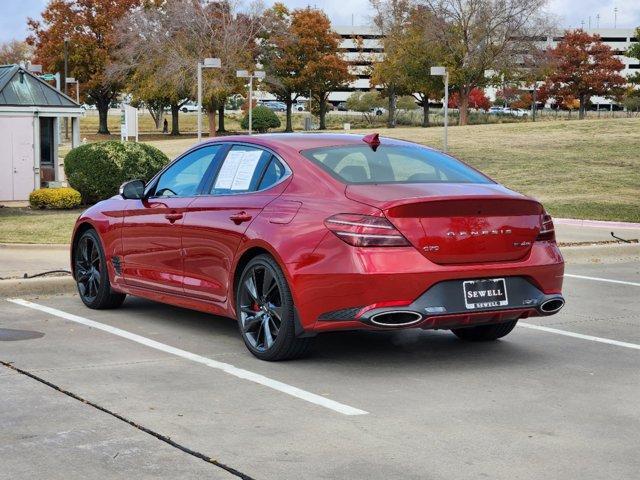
x: 306, y: 141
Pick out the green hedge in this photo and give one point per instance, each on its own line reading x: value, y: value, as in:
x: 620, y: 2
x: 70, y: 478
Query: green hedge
x: 96, y: 170
x: 55, y: 198
x: 262, y: 119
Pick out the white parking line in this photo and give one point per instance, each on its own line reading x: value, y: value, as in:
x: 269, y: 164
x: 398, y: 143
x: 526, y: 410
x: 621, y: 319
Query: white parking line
x: 580, y: 336
x: 225, y: 367
x: 597, y: 279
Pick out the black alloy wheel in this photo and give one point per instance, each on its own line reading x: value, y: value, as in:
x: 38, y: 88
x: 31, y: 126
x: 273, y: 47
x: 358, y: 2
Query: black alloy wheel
x: 266, y: 312
x: 91, y: 274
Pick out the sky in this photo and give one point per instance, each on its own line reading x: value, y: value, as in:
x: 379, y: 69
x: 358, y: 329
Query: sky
x: 571, y: 13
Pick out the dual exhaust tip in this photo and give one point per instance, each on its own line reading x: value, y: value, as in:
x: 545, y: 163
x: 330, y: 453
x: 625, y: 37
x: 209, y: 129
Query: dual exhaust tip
x: 403, y: 318
x: 397, y: 318
x: 551, y: 305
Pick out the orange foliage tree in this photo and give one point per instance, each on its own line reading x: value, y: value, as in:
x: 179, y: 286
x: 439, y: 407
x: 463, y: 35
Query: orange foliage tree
x: 325, y: 70
x: 300, y: 54
x: 582, y: 67
x: 477, y: 99
x: 88, y: 25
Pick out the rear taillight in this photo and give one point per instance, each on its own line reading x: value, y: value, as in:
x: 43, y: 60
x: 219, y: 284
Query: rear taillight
x: 547, y: 230
x: 365, y: 230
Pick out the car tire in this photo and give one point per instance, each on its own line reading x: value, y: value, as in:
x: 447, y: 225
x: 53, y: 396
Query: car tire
x: 485, y: 333
x: 91, y: 275
x: 266, y: 313
x: 184, y: 110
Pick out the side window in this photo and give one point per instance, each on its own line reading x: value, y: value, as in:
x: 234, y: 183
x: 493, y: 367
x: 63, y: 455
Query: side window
x: 274, y: 172
x: 241, y: 170
x: 183, y: 177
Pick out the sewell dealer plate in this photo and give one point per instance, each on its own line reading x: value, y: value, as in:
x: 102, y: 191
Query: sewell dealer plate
x: 485, y: 293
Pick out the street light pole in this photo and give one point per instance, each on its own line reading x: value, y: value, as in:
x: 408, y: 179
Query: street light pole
x: 442, y: 72
x: 446, y: 110
x: 250, y: 103
x: 74, y: 80
x: 250, y: 76
x: 207, y: 63
x: 66, y: 74
x: 199, y: 102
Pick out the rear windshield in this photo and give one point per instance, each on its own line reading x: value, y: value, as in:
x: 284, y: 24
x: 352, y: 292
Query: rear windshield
x: 392, y: 164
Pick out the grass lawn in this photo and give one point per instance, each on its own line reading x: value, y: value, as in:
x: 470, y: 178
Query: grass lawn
x: 23, y: 225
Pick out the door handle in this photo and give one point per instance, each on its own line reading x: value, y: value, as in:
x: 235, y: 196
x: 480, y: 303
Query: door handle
x: 240, y: 217
x: 172, y: 217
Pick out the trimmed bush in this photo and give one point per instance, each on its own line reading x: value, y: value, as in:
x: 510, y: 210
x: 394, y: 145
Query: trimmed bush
x: 96, y: 170
x: 262, y: 119
x: 55, y: 198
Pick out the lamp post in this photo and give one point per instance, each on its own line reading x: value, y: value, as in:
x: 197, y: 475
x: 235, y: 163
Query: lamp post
x: 73, y: 80
x: 66, y: 73
x: 206, y: 63
x: 246, y: 74
x: 442, y: 72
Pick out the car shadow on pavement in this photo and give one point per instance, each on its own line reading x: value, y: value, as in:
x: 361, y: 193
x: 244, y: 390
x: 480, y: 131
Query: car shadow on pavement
x: 420, y: 348
x: 382, y: 350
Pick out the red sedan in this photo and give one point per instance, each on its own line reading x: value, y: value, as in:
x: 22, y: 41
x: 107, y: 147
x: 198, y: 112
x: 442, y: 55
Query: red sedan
x: 296, y: 234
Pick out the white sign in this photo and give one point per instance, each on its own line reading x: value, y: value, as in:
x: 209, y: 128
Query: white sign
x: 238, y: 170
x: 128, y: 123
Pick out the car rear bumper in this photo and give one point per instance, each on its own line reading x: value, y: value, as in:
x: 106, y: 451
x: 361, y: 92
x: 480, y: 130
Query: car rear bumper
x: 346, y: 288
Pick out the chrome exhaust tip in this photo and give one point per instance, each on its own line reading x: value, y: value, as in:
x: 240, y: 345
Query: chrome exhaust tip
x: 396, y: 318
x: 552, y: 305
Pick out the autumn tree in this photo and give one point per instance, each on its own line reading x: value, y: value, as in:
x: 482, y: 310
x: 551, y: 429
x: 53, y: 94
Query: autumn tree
x: 281, y: 58
x: 161, y: 44
x: 324, y: 70
x: 481, y: 35
x: 584, y: 67
x: 634, y: 52
x: 141, y: 61
x: 299, y: 53
x: 88, y: 25
x: 416, y: 53
x: 477, y: 99
x: 391, y: 19
x: 15, y: 51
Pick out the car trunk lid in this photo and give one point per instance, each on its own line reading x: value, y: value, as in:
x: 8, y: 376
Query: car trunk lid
x: 457, y: 223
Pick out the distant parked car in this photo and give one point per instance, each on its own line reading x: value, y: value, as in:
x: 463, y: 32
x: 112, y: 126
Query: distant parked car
x: 495, y: 111
x: 300, y: 106
x: 378, y: 110
x: 515, y: 112
x: 189, y: 107
x: 275, y: 106
x: 342, y: 107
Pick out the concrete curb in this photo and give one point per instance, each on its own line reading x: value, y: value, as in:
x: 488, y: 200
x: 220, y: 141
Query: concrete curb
x: 596, y: 223
x: 34, y: 246
x: 37, y: 286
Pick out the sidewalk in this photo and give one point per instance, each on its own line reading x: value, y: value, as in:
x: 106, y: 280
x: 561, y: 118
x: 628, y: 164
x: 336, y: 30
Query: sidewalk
x: 18, y: 259
x: 570, y: 232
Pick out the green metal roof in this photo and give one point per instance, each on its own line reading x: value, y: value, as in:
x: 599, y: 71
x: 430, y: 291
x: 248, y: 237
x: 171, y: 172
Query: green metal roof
x: 20, y: 88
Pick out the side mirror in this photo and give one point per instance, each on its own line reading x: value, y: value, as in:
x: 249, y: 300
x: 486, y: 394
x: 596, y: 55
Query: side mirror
x: 132, y: 190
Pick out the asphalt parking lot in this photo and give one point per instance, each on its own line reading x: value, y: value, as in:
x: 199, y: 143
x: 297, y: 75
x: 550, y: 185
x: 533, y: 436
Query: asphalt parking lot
x: 560, y: 402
